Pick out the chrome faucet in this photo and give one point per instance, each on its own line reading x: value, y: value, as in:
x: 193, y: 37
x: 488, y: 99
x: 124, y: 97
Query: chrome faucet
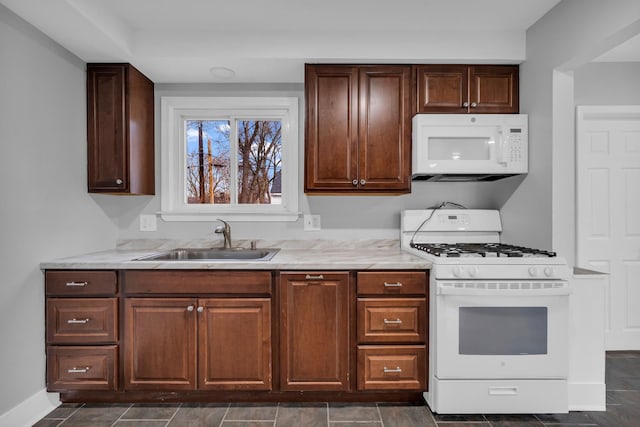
x: 226, y: 232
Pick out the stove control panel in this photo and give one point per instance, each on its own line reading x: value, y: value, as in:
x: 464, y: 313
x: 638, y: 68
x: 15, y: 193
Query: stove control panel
x: 453, y: 220
x: 540, y: 271
x: 499, y: 271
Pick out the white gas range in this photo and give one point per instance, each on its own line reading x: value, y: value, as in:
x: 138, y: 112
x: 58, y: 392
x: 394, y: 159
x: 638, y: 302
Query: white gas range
x: 498, y: 319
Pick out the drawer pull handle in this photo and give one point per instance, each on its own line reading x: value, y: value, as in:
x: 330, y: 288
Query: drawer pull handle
x: 312, y: 277
x: 397, y: 370
x: 75, y: 370
x: 392, y: 285
x: 78, y: 284
x: 503, y: 391
x: 392, y: 322
x: 75, y: 321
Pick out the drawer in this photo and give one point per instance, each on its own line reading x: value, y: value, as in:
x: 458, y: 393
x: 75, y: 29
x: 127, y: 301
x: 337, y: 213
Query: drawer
x: 392, y: 367
x: 400, y: 320
x: 82, y: 368
x: 197, y: 282
x: 392, y: 283
x: 82, y: 320
x: 81, y: 283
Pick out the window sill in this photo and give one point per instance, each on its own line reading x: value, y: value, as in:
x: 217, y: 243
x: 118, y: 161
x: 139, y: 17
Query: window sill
x: 230, y: 216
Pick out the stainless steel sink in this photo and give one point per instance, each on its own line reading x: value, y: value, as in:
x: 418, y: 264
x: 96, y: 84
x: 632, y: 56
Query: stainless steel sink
x: 233, y: 254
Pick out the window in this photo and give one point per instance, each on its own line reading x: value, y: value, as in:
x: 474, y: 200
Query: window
x: 229, y: 157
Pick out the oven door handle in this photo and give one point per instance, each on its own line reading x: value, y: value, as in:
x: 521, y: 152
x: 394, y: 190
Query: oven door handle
x: 478, y: 289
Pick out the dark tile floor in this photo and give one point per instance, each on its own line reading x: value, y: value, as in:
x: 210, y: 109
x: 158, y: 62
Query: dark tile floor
x: 623, y: 410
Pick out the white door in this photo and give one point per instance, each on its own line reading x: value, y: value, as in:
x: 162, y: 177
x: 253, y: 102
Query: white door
x: 608, y: 213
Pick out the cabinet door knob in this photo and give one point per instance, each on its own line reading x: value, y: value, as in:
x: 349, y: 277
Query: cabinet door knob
x: 363, y: 181
x: 474, y: 105
x: 119, y: 181
x: 354, y: 182
x: 465, y: 104
x: 190, y: 308
x: 200, y: 309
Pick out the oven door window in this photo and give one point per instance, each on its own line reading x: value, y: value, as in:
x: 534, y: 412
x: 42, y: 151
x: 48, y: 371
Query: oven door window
x: 502, y: 330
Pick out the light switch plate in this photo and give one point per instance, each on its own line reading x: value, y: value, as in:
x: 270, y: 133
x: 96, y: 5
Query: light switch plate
x: 148, y: 223
x: 311, y: 222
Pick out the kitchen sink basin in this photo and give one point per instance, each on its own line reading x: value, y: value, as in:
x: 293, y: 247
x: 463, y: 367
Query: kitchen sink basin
x: 233, y: 254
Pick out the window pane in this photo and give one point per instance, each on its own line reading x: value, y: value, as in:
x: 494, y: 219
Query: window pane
x: 208, y: 157
x: 259, y: 162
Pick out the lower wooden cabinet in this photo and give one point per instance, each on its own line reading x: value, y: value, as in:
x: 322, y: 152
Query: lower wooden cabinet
x: 82, y: 320
x: 160, y: 344
x: 213, y: 335
x: 314, y: 331
x: 235, y: 344
x: 82, y: 368
x: 392, y: 330
x: 82, y: 330
x: 391, y: 367
x: 189, y: 344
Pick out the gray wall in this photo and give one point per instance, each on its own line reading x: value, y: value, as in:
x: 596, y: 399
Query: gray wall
x: 607, y: 83
x: 45, y: 210
x: 567, y: 36
x: 342, y: 216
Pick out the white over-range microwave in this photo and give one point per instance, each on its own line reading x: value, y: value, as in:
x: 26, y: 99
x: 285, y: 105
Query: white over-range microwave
x: 460, y: 147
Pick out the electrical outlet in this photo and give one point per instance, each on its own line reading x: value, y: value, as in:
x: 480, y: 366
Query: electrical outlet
x: 311, y: 222
x: 148, y: 223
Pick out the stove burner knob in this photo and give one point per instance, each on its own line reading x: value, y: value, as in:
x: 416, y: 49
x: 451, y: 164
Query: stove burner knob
x: 533, y: 272
x: 548, y: 271
x: 457, y: 271
x: 473, y: 271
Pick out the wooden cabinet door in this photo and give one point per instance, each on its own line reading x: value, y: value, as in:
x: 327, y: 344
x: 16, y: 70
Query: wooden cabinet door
x: 461, y: 89
x: 120, y: 130
x: 106, y: 128
x: 384, y: 142
x: 443, y: 89
x: 315, y: 331
x: 160, y: 344
x: 234, y: 344
x: 331, y: 140
x: 494, y: 89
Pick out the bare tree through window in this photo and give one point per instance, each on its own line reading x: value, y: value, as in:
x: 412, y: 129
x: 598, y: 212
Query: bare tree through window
x: 259, y: 161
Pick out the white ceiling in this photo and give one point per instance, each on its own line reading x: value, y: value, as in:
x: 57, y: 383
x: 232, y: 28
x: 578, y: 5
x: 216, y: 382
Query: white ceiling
x: 179, y: 41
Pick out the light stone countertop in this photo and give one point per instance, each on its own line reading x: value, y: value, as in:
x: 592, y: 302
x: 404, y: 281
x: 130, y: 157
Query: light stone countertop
x: 293, y: 255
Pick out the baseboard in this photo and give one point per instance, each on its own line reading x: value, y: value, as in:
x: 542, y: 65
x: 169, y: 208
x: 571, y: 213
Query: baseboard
x: 30, y: 410
x: 587, y: 397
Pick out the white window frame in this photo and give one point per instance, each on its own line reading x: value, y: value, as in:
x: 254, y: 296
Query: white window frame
x: 175, y: 110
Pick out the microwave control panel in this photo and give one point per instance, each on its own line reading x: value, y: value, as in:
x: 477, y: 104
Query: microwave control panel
x: 514, y: 146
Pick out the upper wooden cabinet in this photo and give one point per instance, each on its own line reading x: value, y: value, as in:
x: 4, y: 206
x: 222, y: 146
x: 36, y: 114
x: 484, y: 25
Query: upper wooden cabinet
x: 120, y: 125
x: 467, y: 89
x: 358, y: 128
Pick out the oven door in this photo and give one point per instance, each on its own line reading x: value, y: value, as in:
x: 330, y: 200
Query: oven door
x: 501, y: 331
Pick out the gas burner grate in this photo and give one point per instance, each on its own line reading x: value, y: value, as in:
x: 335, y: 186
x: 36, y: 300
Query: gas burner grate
x: 487, y: 250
